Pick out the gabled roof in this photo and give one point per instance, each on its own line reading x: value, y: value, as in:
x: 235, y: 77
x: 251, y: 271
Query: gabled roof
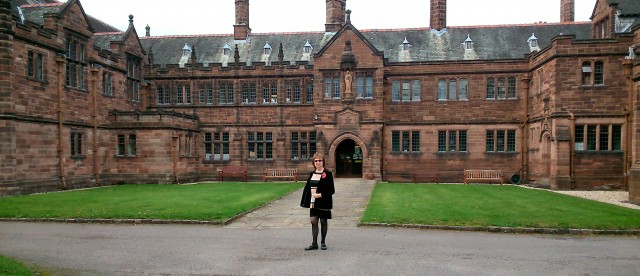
x: 490, y: 43
x: 34, y: 11
x: 345, y: 27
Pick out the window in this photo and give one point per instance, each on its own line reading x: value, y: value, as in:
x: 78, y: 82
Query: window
x: 260, y: 145
x: 364, y: 85
x: 76, y: 144
x: 405, y: 141
x: 405, y: 90
x: 332, y: 85
x: 127, y: 145
x: 216, y: 146
x: 225, y: 89
x: 303, y: 145
x: 600, y: 29
x: 501, y: 88
x: 307, y: 48
x: 206, y: 94
x: 133, y: 78
x: 452, y: 89
x: 183, y: 94
x: 34, y: 65
x: 501, y: 140
x: 226, y: 50
x: 163, y: 94
x: 270, y: 91
x: 248, y: 92
x: 292, y: 90
x: 592, y: 73
x: 107, y: 88
x: 75, y: 66
x: 598, y: 138
x: 309, y: 91
x: 452, y: 140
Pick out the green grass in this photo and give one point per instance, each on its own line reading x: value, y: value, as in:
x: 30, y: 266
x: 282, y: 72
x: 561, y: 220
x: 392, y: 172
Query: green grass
x: 490, y: 205
x: 206, y: 202
x: 10, y: 266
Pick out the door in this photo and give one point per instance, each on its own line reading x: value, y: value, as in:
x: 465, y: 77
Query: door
x: 348, y: 159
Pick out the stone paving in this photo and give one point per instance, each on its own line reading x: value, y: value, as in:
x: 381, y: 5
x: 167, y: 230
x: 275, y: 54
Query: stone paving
x: 349, y: 201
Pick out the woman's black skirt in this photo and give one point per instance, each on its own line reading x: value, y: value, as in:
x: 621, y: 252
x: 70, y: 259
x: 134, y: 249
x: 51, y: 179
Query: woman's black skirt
x: 320, y: 213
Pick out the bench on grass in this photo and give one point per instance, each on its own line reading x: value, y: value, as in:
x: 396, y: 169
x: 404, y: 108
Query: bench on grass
x: 426, y: 177
x: 483, y: 175
x: 233, y: 171
x: 280, y: 173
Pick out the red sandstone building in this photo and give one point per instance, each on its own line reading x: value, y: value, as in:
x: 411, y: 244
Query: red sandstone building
x: 84, y: 104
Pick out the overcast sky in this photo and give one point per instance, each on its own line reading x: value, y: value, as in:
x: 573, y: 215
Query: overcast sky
x: 190, y: 17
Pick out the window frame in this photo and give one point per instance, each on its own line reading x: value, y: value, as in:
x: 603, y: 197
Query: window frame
x: 406, y: 90
x: 303, y: 145
x: 126, y: 145
x: 35, y: 65
x: 445, y: 92
x: 459, y: 143
x: 589, y: 138
x: 405, y: 141
x: 217, y: 142
x: 501, y: 140
x: 260, y: 142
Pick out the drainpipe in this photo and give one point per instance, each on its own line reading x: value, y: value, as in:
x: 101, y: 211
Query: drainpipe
x: 572, y: 151
x: 60, y: 58
x: 94, y: 115
x: 524, y: 160
x: 629, y: 115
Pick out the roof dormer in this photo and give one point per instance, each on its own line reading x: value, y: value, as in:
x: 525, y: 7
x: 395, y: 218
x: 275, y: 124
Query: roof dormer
x: 405, y: 44
x: 533, y: 43
x: 469, y: 50
x: 266, y: 50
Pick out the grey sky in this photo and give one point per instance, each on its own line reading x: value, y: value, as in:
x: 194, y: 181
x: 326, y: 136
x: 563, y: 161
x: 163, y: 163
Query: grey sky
x: 218, y: 16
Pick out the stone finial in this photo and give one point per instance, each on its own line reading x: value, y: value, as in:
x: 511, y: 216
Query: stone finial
x: 131, y: 19
x: 148, y: 29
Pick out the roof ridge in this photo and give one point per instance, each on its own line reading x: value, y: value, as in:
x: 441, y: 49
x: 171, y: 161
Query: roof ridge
x: 108, y: 33
x: 41, y: 5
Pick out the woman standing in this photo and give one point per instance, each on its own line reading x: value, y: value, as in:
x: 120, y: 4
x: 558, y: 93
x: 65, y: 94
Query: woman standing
x: 317, y: 196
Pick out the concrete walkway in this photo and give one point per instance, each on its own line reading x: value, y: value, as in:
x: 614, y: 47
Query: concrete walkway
x: 349, y: 201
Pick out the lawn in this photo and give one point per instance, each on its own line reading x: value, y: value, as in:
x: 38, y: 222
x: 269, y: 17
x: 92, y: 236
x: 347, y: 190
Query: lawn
x: 10, y: 266
x: 492, y: 205
x: 205, y: 202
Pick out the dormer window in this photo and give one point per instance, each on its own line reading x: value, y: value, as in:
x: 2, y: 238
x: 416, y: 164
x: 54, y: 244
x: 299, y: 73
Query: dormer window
x: 405, y: 44
x: 533, y: 41
x: 186, y: 50
x: 468, y: 43
x: 226, y: 50
x: 307, y: 48
x: 267, y: 49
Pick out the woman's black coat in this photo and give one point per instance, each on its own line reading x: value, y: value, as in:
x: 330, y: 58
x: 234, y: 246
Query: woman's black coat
x: 325, y: 187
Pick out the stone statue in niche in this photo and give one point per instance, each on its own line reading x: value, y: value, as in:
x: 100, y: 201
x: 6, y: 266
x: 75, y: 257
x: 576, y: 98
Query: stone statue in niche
x: 348, y: 78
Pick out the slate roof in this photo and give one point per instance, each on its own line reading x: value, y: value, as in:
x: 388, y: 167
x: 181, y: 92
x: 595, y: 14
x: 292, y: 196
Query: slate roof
x: 626, y: 7
x: 490, y: 42
x: 34, y: 10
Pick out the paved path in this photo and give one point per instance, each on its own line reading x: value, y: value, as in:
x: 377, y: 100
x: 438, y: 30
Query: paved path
x: 349, y: 201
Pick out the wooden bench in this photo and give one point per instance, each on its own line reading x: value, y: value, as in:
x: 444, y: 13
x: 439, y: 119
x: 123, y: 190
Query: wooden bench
x: 428, y: 177
x: 483, y: 175
x: 280, y: 173
x: 232, y: 171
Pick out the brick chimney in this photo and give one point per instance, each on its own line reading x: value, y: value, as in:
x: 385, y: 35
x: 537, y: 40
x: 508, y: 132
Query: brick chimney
x: 241, y: 29
x: 567, y: 10
x: 335, y: 15
x: 438, y: 16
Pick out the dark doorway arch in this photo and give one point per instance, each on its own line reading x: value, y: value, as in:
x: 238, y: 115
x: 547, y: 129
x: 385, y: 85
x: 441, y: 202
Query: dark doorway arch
x: 348, y: 159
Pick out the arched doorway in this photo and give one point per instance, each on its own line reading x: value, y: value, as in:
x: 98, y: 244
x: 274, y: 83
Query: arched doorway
x: 348, y: 159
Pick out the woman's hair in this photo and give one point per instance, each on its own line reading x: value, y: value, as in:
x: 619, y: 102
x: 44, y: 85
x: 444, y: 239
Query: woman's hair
x: 317, y: 156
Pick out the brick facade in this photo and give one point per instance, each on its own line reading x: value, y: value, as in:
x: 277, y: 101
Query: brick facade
x: 57, y: 136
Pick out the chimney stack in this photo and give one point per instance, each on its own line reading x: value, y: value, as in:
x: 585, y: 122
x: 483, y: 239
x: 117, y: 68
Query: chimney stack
x: 241, y: 29
x: 438, y: 16
x: 567, y: 10
x: 335, y: 15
